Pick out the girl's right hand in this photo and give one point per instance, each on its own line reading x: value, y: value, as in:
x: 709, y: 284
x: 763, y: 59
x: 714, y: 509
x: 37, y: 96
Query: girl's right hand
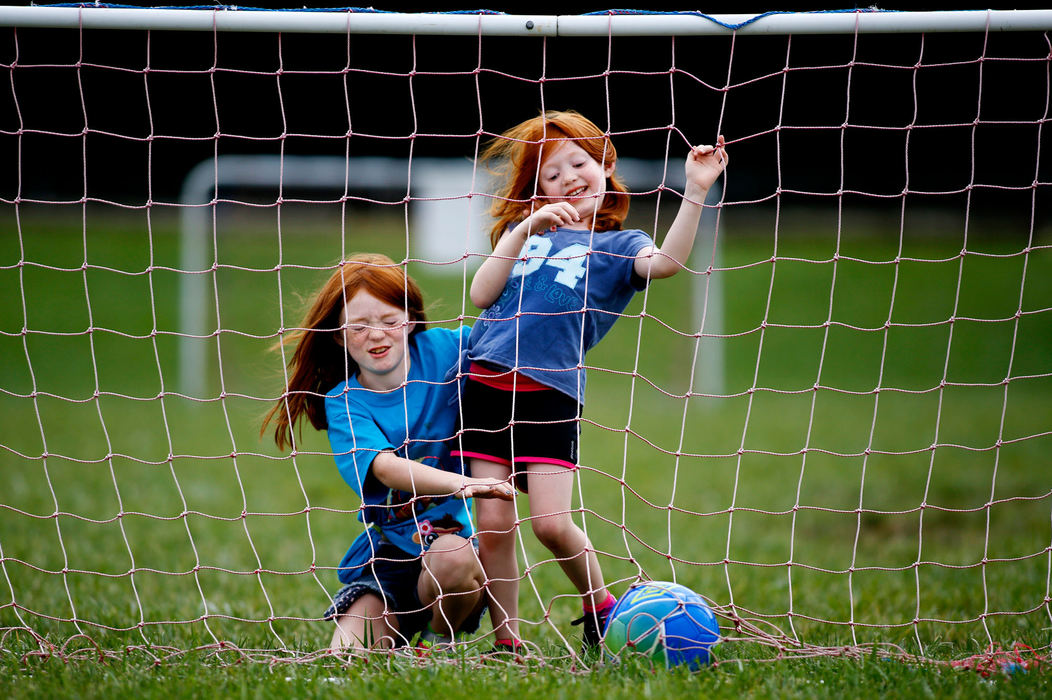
x: 487, y: 488
x: 551, y: 216
x: 492, y: 275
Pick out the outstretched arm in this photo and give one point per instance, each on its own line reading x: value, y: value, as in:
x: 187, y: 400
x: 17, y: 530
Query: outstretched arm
x: 396, y: 472
x: 704, y: 165
x: 492, y: 275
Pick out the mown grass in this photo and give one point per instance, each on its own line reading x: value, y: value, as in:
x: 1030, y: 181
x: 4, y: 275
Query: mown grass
x: 168, y: 523
x: 196, y: 676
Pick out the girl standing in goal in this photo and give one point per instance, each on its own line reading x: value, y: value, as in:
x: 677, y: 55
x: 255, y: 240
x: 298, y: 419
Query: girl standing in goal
x: 561, y: 272
x: 365, y: 369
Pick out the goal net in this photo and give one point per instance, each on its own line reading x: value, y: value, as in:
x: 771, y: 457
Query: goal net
x: 834, y: 424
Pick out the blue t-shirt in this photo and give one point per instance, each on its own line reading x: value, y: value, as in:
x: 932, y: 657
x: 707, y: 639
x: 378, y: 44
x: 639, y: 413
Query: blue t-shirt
x: 363, y: 422
x: 573, y: 286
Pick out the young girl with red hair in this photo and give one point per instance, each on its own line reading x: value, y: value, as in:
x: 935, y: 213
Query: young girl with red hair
x: 367, y: 371
x: 561, y: 272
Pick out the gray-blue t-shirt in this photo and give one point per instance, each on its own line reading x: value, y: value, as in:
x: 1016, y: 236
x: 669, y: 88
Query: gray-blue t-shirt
x: 558, y: 303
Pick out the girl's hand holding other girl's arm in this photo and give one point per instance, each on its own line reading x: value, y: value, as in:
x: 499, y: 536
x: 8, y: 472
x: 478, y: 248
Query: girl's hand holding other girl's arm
x: 487, y: 488
x: 492, y: 275
x: 703, y: 167
x: 402, y: 474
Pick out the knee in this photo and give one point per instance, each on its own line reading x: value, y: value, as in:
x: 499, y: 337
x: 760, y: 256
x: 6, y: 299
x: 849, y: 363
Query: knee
x: 453, y: 562
x: 553, y: 531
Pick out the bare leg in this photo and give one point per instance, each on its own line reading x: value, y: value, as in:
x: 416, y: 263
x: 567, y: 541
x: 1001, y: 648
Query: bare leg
x: 364, y: 626
x: 452, y: 575
x: 497, y: 525
x: 551, y: 488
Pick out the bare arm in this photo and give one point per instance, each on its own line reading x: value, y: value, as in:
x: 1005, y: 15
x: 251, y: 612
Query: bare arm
x: 396, y: 472
x: 704, y: 165
x: 492, y: 275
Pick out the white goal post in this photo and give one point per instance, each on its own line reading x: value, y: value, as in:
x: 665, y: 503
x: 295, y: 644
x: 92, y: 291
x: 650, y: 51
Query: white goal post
x: 445, y: 223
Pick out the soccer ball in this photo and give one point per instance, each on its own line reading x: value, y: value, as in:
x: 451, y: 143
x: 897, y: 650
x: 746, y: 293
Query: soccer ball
x: 666, y: 621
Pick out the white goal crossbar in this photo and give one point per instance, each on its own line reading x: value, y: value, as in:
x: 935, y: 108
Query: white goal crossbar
x: 613, y: 23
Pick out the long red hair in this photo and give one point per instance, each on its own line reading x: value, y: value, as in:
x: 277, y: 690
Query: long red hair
x: 319, y: 362
x: 519, y: 152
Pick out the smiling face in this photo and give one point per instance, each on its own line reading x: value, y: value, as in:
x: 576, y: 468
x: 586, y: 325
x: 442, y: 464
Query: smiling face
x: 569, y: 174
x: 375, y: 334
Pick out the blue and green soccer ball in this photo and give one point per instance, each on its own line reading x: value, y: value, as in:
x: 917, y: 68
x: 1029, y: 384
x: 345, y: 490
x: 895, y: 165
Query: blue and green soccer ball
x: 666, y: 621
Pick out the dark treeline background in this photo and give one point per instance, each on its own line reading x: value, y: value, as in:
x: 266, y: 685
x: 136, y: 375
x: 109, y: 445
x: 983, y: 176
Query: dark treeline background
x: 124, y: 115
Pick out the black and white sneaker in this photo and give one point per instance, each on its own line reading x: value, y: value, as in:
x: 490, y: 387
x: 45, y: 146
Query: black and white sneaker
x: 594, y: 625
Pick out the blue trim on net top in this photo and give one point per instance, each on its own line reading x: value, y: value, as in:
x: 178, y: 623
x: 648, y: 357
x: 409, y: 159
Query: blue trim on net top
x: 370, y: 10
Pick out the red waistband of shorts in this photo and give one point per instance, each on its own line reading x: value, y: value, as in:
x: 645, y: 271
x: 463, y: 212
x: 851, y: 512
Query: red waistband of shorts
x: 505, y: 380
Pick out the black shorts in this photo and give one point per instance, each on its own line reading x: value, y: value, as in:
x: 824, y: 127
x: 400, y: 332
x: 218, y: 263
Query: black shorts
x: 393, y: 576
x: 545, y: 430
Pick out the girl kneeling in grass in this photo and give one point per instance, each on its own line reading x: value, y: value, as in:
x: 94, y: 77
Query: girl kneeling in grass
x: 366, y: 370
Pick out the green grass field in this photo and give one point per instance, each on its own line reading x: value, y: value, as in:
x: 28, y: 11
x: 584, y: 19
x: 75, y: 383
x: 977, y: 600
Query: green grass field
x: 163, y: 526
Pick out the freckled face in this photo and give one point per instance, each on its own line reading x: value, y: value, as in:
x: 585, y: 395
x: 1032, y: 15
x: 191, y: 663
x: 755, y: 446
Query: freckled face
x: 376, y: 334
x: 569, y: 174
